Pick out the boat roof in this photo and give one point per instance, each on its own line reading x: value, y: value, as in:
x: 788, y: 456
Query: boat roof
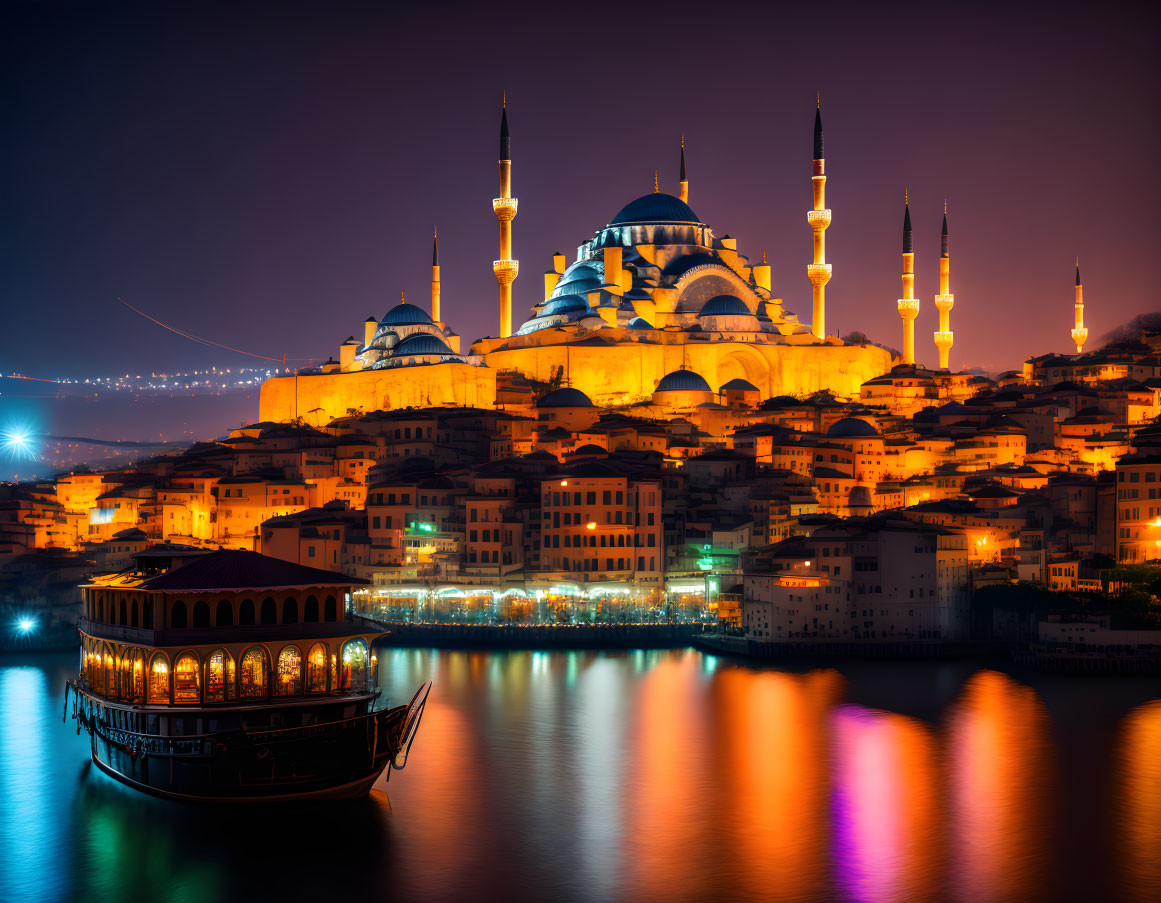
x: 231, y: 569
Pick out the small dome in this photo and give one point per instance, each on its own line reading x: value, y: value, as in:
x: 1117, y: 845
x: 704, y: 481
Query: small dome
x: 655, y: 208
x: 682, y: 381
x: 724, y: 305
x: 563, y: 304
x: 739, y: 385
x: 566, y: 397
x: 421, y: 343
x: 639, y: 323
x: 851, y: 428
x: 405, y: 315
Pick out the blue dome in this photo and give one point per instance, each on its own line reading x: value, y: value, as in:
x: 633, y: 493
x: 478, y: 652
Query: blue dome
x: 739, y: 385
x: 851, y: 428
x: 655, y: 208
x: 682, y: 381
x: 405, y: 315
x: 565, y: 398
x: 421, y: 343
x: 563, y: 304
x: 639, y: 323
x: 724, y: 305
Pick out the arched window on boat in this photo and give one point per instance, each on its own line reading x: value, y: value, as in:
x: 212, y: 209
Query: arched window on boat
x: 224, y: 616
x: 136, y: 688
x: 252, y: 673
x: 310, y: 610
x: 316, y: 668
x: 289, y: 672
x: 135, y: 619
x: 108, y: 670
x: 290, y: 610
x: 219, y: 676
x: 269, y: 611
x: 201, y: 614
x: 91, y: 670
x: 158, y: 679
x: 354, y: 666
x: 177, y: 614
x: 125, y: 675
x: 246, y: 613
x: 330, y: 609
x: 124, y: 611
x: 147, y: 619
x: 187, y: 678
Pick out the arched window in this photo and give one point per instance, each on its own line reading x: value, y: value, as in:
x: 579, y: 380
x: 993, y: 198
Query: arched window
x: 289, y: 681
x: 201, y: 614
x: 125, y: 675
x: 177, y: 614
x: 158, y: 679
x: 224, y: 616
x: 135, y: 620
x: 187, y: 677
x: 246, y: 612
x: 108, y: 669
x: 290, y: 610
x: 147, y: 621
x: 269, y: 611
x: 124, y: 619
x: 100, y: 608
x: 330, y: 609
x: 316, y: 668
x: 310, y: 610
x: 136, y: 687
x: 219, y: 676
x: 355, y: 664
x: 252, y: 672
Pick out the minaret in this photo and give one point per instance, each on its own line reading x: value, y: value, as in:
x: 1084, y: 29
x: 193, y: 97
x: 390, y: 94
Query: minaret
x: 506, y: 269
x: 908, y: 304
x: 819, y: 219
x: 1079, y: 332
x: 683, y: 185
x: 945, y: 300
x: 435, y: 275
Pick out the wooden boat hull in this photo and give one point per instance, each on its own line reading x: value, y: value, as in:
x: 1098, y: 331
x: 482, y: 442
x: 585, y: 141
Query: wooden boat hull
x: 333, y: 760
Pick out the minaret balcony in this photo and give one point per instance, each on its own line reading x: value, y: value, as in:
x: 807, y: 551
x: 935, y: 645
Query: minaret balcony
x: 909, y: 308
x: 505, y: 208
x: 818, y: 219
x: 943, y: 339
x: 506, y: 270
x: 1080, y: 335
x: 819, y: 273
x: 944, y: 302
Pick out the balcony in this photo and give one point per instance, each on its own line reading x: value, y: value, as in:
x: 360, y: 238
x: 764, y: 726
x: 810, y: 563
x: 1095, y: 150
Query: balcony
x: 818, y: 273
x: 818, y: 219
x: 506, y: 270
x: 505, y: 208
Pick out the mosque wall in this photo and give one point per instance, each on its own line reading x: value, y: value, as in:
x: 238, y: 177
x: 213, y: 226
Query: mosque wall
x: 323, y: 397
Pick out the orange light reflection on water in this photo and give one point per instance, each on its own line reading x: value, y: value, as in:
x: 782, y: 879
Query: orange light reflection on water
x: 999, y: 767
x: 773, y: 756
x: 1140, y: 802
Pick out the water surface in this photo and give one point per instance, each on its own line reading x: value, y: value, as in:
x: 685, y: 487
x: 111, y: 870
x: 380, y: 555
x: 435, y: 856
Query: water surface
x: 638, y: 776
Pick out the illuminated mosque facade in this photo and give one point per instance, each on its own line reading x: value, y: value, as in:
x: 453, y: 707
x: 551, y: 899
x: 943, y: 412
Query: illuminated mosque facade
x: 655, y: 314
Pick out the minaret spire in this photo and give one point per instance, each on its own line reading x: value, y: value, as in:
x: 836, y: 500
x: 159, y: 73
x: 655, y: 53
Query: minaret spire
x: 656, y: 183
x: 1079, y: 331
x: 506, y: 269
x: 819, y: 218
x: 683, y: 184
x: 908, y: 304
x: 945, y: 300
x: 435, y: 312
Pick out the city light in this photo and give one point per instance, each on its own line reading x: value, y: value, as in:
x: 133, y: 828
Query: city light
x: 25, y: 626
x: 18, y: 442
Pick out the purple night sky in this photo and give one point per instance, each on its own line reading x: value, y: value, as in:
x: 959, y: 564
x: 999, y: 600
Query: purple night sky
x: 269, y: 175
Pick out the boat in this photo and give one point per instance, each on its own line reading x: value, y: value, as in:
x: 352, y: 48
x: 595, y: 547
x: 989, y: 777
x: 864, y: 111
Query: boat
x: 234, y: 676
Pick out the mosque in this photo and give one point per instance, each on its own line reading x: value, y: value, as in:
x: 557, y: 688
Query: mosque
x: 655, y: 313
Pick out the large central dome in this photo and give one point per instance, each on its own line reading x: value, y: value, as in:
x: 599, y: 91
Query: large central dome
x: 655, y: 208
